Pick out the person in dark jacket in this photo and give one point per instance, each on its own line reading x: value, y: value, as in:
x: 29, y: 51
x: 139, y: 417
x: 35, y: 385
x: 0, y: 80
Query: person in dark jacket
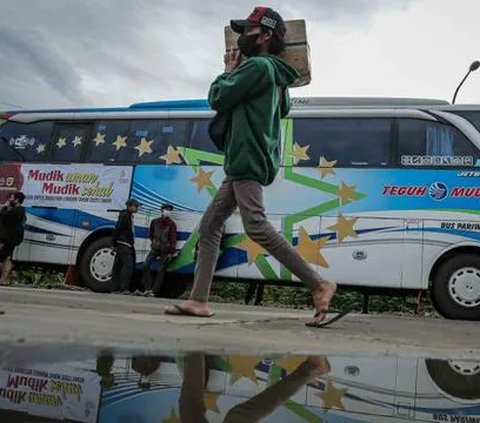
x: 12, y: 224
x: 124, y: 245
x: 255, y: 95
x: 163, y: 237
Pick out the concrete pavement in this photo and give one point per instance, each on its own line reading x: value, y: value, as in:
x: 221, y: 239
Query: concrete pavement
x: 87, y: 320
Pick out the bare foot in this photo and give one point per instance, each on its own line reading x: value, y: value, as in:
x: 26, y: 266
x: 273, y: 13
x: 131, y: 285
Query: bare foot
x: 199, y: 308
x: 322, y: 295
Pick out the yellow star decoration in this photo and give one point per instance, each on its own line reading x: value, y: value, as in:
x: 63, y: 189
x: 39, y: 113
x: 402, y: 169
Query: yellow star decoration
x: 210, y: 399
x: 347, y: 193
x: 252, y: 248
x: 243, y: 366
x: 99, y: 139
x: 41, y: 149
x: 172, y: 156
x: 62, y: 142
x: 77, y: 141
x: 203, y: 179
x: 310, y: 249
x: 332, y: 397
x: 344, y: 228
x: 299, y: 153
x: 144, y: 147
x: 120, y: 142
x: 173, y: 418
x: 325, y: 167
x: 290, y: 364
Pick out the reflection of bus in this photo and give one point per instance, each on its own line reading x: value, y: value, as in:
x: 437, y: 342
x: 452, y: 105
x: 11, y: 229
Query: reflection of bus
x: 373, y: 193
x: 47, y: 393
x: 358, y: 389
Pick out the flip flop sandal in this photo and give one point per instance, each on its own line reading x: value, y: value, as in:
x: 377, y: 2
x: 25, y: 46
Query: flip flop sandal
x: 178, y: 310
x: 335, y: 315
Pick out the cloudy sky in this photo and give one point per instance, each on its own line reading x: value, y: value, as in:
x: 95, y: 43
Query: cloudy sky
x: 64, y: 53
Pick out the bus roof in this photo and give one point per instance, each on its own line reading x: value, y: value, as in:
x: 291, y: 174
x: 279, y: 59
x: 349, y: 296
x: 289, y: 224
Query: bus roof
x: 297, y: 103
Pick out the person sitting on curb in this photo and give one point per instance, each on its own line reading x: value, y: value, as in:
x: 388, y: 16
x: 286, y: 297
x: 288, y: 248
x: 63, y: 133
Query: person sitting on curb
x: 163, y: 237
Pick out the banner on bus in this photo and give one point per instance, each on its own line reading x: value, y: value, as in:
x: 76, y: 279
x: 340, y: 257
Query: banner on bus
x: 52, y: 392
x: 93, y: 186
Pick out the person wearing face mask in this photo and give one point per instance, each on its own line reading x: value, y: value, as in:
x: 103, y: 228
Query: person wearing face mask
x: 255, y: 94
x: 12, y: 223
x: 163, y: 237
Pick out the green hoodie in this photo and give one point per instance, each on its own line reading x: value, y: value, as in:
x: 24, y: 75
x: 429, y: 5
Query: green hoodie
x: 251, y: 93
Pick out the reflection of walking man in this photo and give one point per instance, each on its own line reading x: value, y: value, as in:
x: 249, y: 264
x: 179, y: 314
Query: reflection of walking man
x: 163, y: 236
x: 192, y: 397
x: 12, y: 223
x: 255, y: 94
x: 123, y: 242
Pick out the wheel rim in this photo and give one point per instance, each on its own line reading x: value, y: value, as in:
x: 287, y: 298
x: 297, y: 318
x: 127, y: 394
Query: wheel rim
x: 101, y: 264
x: 464, y: 287
x: 465, y: 367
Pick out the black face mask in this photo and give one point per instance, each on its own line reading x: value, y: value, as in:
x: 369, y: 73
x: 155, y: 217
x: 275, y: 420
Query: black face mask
x: 248, y: 44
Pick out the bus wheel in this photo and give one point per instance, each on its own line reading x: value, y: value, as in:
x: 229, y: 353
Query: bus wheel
x: 174, y: 285
x: 456, y: 288
x: 96, y: 265
x: 458, y: 378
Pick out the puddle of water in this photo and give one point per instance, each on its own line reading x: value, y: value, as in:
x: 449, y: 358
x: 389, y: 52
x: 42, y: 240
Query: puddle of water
x: 197, y: 387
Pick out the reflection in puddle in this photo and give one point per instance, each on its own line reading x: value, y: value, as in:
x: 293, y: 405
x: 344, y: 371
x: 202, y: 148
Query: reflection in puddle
x: 197, y: 387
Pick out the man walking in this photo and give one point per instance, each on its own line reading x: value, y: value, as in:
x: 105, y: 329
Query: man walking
x: 124, y: 244
x: 255, y: 94
x: 163, y: 237
x: 12, y: 228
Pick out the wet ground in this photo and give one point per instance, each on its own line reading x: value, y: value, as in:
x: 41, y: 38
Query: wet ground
x: 111, y: 386
x: 82, y: 357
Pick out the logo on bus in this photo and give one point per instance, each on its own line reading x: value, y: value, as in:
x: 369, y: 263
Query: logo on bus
x: 438, y: 191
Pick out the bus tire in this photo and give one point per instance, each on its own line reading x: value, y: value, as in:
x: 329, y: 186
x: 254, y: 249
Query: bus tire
x: 460, y: 379
x: 456, y: 288
x: 96, y: 264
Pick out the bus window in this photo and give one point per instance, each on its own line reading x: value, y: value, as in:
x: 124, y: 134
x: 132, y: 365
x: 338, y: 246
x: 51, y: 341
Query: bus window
x: 111, y: 142
x: 199, y: 138
x: 25, y: 142
x: 172, y: 134
x: 151, y: 139
x: 426, y: 143
x: 350, y: 141
x: 68, y: 142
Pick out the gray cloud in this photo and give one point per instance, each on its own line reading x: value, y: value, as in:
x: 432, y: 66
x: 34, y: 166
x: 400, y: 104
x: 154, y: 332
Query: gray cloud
x: 108, y: 52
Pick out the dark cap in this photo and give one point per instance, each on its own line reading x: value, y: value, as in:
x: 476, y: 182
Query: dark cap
x: 261, y: 16
x: 167, y: 207
x: 132, y: 202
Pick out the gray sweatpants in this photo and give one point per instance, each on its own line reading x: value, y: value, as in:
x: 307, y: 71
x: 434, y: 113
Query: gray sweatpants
x: 248, y: 196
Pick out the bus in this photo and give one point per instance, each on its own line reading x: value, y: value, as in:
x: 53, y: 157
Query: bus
x: 377, y: 194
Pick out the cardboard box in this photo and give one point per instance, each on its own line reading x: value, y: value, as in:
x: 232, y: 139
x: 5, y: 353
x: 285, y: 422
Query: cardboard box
x: 297, y: 51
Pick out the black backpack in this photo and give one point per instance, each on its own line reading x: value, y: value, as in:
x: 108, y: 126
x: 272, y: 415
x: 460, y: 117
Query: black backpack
x: 218, y: 127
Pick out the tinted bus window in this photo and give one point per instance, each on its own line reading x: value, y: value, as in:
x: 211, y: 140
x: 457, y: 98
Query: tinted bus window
x: 199, y: 138
x: 68, y: 142
x: 111, y: 142
x: 25, y: 142
x: 137, y: 140
x: 426, y: 143
x: 351, y: 142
